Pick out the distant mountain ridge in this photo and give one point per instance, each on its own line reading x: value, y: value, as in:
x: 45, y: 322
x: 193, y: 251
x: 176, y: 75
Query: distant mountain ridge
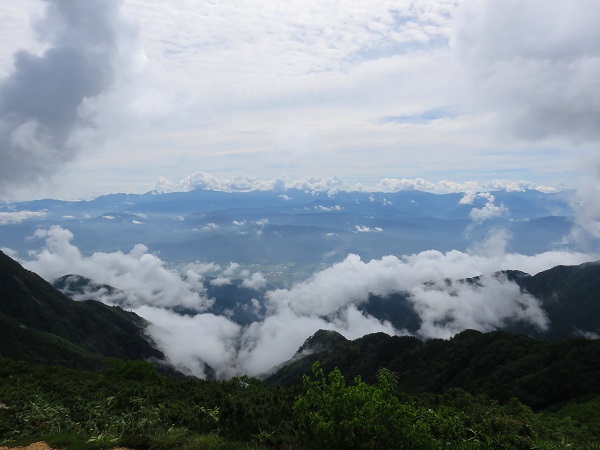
x: 40, y: 324
x: 292, y: 225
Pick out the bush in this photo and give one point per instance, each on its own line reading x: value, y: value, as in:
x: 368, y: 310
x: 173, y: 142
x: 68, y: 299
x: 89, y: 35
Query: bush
x: 336, y: 416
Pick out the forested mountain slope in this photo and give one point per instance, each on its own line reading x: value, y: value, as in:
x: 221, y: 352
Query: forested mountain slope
x: 499, y: 364
x: 40, y: 324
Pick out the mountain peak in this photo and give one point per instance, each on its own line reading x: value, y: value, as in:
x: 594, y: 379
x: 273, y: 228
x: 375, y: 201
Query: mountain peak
x: 322, y: 340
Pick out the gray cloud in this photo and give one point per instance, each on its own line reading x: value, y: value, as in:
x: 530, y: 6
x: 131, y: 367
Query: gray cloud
x: 535, y: 64
x: 586, y: 206
x: 42, y: 99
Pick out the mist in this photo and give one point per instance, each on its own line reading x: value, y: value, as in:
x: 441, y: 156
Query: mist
x: 203, y: 343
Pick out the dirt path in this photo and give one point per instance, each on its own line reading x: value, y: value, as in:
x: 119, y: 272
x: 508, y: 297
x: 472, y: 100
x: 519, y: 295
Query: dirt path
x: 34, y: 446
x: 42, y: 446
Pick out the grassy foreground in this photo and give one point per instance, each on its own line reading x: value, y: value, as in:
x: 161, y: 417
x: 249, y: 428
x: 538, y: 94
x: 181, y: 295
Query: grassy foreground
x: 131, y: 405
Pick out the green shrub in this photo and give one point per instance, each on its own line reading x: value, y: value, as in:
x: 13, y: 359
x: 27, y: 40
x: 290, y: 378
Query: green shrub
x: 336, y: 416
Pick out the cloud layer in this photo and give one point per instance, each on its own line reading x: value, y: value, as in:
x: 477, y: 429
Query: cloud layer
x: 329, y: 299
x: 333, y: 185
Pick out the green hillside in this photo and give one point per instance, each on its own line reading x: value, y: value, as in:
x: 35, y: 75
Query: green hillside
x: 426, y: 396
x: 40, y: 324
x: 498, y: 364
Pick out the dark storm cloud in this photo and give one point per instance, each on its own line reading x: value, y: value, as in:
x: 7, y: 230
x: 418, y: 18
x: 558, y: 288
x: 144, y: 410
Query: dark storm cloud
x: 40, y: 99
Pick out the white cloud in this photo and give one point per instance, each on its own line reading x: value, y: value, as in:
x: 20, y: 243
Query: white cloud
x: 232, y: 269
x: 514, y: 186
x: 202, y: 180
x: 37, y: 140
x: 221, y: 281
x: 199, y: 270
x: 245, y: 273
x: 588, y: 334
x: 363, y: 229
x: 395, y: 185
x: 9, y: 252
x: 20, y: 216
x: 274, y: 340
x: 191, y: 341
x: 331, y: 186
x: 329, y: 208
x: 324, y: 70
x: 329, y: 299
x: 143, y: 276
x: 210, y: 227
x: 323, y: 293
x: 487, y: 211
x: 256, y: 281
x: 468, y: 199
x: 446, y: 309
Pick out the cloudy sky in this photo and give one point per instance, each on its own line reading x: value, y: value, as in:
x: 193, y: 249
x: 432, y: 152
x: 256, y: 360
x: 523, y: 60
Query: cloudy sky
x: 107, y: 96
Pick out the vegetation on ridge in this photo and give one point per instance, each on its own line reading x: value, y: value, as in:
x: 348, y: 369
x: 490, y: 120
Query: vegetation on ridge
x: 501, y: 365
x: 132, y: 405
x: 40, y: 324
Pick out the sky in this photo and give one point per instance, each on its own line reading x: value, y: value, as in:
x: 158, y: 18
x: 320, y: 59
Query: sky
x: 109, y: 96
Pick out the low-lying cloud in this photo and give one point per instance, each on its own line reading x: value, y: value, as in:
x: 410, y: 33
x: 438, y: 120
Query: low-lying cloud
x: 448, y: 308
x: 329, y: 299
x: 488, y: 211
x: 143, y: 276
x: 20, y: 216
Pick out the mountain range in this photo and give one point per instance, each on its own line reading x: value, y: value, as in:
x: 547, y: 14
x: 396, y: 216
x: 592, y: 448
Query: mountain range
x: 293, y: 226
x: 498, y: 364
x: 40, y: 324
